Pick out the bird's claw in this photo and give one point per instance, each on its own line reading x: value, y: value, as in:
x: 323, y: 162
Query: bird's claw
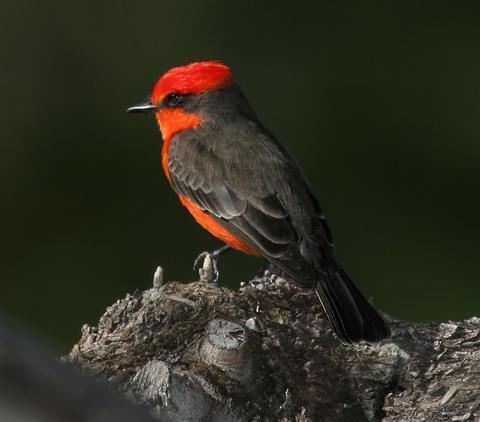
x: 207, y: 266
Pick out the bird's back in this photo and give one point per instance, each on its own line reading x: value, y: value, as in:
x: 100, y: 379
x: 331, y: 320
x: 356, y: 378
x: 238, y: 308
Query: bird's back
x: 235, y: 171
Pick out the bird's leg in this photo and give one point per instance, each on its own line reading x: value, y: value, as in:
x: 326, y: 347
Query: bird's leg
x: 207, y: 264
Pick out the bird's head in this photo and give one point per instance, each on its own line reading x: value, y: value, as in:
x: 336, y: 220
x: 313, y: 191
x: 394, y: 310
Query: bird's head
x: 188, y: 95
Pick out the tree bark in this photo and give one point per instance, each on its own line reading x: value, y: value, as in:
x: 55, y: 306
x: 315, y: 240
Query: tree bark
x: 200, y: 352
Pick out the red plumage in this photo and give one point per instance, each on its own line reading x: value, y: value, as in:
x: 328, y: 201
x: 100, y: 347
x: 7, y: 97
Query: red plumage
x: 192, y: 79
x: 172, y: 121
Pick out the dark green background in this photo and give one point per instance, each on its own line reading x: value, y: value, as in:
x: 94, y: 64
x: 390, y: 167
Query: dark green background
x: 379, y: 101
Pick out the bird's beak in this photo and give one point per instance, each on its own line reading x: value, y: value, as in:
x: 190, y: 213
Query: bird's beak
x: 142, y: 108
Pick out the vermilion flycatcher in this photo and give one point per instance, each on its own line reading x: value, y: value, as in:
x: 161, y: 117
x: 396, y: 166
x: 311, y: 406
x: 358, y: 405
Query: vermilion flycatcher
x: 244, y: 187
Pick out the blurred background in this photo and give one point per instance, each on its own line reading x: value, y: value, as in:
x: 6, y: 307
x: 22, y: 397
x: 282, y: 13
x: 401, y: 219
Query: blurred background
x: 379, y: 102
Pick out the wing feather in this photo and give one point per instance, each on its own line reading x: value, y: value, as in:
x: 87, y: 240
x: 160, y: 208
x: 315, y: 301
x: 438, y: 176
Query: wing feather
x: 259, y: 218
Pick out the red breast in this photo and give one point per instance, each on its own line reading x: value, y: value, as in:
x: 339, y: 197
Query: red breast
x: 194, y: 78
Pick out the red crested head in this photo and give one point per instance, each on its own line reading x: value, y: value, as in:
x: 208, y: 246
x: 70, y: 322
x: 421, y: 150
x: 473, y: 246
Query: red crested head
x: 193, y: 78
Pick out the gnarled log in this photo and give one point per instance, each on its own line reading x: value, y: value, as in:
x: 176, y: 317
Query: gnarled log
x: 199, y: 352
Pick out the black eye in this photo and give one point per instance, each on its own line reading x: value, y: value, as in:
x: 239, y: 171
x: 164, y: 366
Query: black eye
x: 173, y: 99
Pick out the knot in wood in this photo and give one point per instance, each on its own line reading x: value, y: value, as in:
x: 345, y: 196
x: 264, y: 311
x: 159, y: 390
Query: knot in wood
x: 226, y: 334
x: 226, y: 346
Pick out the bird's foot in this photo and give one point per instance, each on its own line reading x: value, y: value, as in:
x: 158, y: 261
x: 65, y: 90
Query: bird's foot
x: 207, y: 265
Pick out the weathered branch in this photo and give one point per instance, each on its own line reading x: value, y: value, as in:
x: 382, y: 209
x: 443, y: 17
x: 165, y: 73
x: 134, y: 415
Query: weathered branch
x: 198, y: 352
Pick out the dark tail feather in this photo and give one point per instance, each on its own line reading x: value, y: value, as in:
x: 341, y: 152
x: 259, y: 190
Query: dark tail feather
x: 352, y: 316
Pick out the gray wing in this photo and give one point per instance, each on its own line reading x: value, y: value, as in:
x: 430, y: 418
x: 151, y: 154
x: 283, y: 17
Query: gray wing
x: 257, y: 208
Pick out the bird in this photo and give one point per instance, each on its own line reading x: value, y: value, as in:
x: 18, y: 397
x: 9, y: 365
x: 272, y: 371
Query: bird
x: 244, y: 187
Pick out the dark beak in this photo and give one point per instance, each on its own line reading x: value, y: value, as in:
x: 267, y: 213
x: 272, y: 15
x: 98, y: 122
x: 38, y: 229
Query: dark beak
x: 142, y: 108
